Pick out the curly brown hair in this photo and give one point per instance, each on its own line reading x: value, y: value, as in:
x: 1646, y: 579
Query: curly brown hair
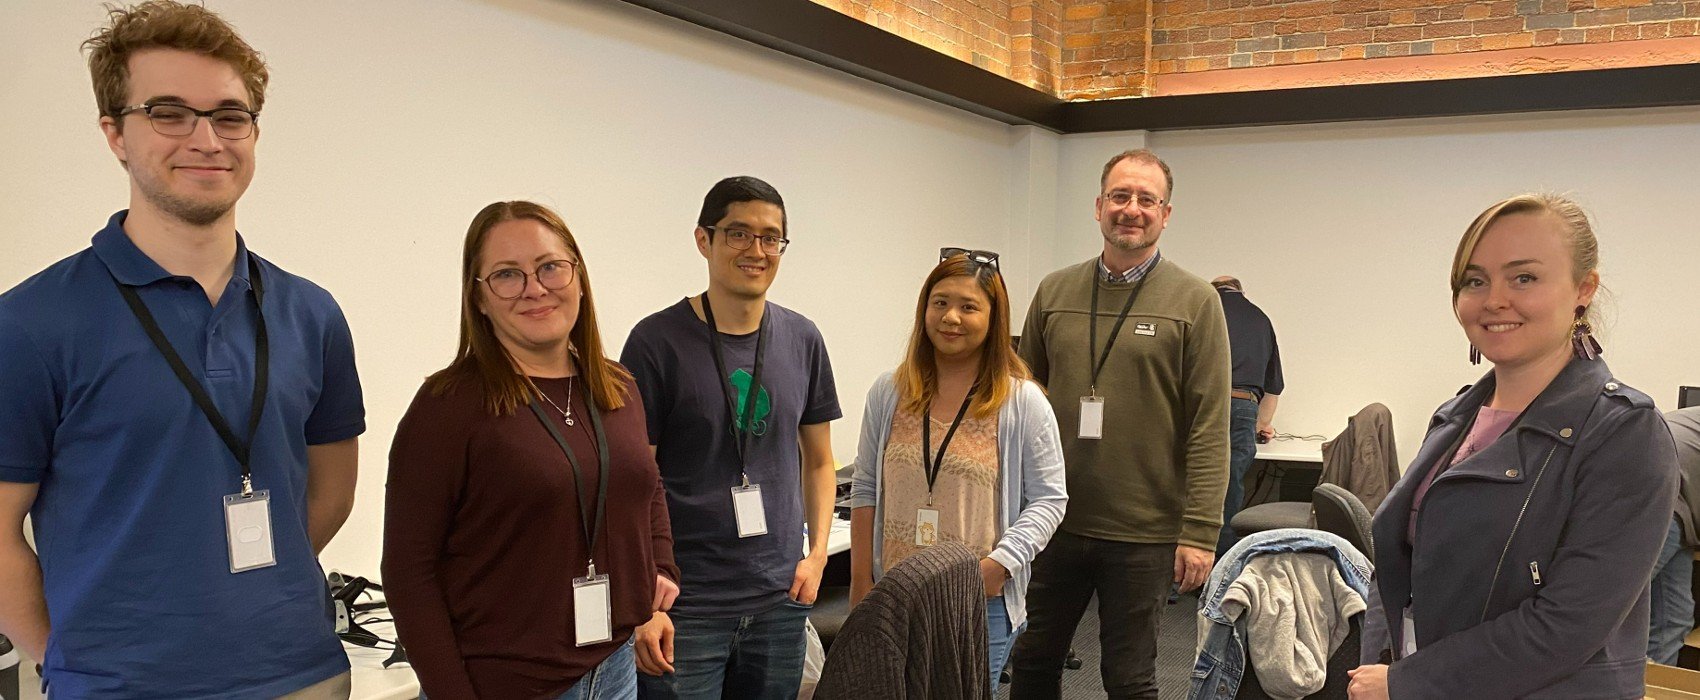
x: 166, y: 24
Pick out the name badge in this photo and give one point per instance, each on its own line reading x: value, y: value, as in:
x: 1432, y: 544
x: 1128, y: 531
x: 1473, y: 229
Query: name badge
x: 1145, y: 329
x: 1091, y: 417
x: 926, y: 527
x: 248, y: 531
x: 592, y: 614
x: 749, y: 511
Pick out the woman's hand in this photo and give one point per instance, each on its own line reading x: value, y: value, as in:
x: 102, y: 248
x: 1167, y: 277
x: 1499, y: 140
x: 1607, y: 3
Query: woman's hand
x: 1368, y: 683
x: 665, y: 593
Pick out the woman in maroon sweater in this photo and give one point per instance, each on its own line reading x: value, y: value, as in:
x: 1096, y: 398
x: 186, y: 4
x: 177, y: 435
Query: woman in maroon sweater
x: 526, y: 530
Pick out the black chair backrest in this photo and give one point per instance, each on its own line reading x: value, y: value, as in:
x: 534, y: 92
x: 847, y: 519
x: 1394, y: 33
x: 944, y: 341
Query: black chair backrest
x: 1340, y: 513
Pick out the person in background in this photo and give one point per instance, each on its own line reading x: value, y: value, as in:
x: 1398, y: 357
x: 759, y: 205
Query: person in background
x: 180, y: 415
x: 1139, y: 383
x: 525, y: 527
x: 959, y: 445
x: 1672, y: 605
x: 740, y: 399
x: 1257, y: 385
x: 1513, y: 557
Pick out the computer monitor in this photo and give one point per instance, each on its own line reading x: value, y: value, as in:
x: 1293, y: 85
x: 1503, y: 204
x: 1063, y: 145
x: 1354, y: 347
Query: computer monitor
x: 1687, y: 396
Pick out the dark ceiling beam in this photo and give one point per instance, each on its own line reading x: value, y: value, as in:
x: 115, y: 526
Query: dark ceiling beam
x: 1655, y: 86
x: 825, y: 36
x: 810, y: 31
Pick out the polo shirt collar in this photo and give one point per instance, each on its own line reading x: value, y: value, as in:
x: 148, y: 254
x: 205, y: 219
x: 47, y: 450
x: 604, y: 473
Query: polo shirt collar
x: 130, y: 266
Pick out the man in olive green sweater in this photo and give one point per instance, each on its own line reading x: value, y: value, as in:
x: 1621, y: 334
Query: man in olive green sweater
x: 1133, y: 351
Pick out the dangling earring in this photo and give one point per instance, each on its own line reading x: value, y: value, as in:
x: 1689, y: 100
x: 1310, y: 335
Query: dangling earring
x: 1475, y: 355
x: 1582, y: 338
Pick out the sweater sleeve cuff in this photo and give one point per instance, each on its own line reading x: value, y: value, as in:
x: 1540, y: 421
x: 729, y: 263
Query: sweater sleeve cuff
x: 1200, y: 535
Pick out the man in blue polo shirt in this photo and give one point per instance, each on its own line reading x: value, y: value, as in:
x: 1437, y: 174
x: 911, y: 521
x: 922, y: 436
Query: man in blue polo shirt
x: 177, y: 415
x: 740, y: 397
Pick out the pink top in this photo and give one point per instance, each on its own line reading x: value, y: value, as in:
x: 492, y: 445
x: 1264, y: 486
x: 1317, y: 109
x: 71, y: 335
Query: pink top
x: 1490, y: 424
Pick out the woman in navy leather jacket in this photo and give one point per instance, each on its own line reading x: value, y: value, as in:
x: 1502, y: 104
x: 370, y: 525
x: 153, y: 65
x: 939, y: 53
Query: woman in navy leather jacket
x: 1513, y: 557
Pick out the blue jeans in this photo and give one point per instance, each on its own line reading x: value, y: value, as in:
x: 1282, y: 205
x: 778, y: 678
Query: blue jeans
x: 613, y: 679
x: 759, y: 657
x: 1673, y: 598
x: 999, y: 637
x: 1242, y: 451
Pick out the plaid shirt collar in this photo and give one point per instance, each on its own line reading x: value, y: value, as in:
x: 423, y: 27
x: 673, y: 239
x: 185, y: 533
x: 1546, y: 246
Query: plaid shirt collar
x: 1131, y: 276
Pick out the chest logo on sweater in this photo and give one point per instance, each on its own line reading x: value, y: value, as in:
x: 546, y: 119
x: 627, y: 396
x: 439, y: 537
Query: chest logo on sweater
x: 1145, y: 329
x: 758, y: 417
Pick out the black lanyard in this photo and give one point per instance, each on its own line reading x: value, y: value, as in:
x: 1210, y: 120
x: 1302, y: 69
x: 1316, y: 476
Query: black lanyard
x: 241, y: 450
x: 592, y: 525
x: 932, y: 465
x: 1098, y: 365
x: 740, y: 437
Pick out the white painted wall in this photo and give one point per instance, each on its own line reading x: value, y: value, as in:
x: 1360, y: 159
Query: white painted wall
x: 1344, y: 234
x: 390, y: 122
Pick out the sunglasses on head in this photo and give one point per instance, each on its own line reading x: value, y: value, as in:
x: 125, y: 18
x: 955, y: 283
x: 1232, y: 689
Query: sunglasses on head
x: 978, y: 257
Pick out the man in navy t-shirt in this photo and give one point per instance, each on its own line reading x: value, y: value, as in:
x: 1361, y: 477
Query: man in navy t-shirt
x: 177, y: 415
x: 739, y: 395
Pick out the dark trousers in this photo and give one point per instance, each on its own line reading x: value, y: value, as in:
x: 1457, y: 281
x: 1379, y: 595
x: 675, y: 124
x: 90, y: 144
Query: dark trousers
x: 1131, y: 581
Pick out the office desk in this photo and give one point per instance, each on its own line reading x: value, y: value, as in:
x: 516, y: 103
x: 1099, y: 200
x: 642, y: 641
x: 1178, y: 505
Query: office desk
x: 373, y: 682
x: 1285, y: 470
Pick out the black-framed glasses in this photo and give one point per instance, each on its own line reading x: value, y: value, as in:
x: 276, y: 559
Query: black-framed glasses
x: 230, y: 123
x: 741, y: 239
x: 984, y: 258
x: 1122, y: 198
x: 509, y: 282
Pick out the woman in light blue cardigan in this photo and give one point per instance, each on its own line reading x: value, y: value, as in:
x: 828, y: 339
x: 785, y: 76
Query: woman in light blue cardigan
x: 990, y: 476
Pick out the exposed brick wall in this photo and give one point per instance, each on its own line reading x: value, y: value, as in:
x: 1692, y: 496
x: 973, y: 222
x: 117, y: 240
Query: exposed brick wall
x: 1106, y: 46
x: 1203, y: 35
x: 1035, y: 44
x: 973, y: 31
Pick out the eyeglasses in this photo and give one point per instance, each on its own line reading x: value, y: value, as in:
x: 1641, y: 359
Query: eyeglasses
x: 984, y: 258
x: 741, y: 239
x: 230, y: 123
x: 1122, y: 198
x: 509, y: 282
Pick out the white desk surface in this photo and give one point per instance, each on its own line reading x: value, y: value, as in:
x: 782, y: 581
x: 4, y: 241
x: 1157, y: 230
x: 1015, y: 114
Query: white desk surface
x: 1291, y: 451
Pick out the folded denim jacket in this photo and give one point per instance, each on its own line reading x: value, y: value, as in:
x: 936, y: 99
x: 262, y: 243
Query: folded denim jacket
x: 1221, y: 663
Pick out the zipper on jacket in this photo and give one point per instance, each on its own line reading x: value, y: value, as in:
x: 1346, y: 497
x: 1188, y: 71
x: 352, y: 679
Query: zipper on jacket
x: 1535, y: 572
x: 1486, y: 604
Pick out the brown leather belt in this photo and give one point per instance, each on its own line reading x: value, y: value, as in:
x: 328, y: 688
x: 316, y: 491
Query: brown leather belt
x: 1243, y: 394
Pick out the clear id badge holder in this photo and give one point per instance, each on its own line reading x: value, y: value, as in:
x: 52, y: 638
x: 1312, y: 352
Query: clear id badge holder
x: 1092, y: 417
x: 248, y: 530
x: 747, y: 508
x: 592, y: 611
x: 926, y: 527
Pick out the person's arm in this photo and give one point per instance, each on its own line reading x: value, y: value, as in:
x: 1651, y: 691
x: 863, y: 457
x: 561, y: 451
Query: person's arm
x: 1044, y: 486
x: 1266, y: 415
x: 864, y: 485
x: 23, y: 608
x: 1207, y: 367
x: 427, y: 474
x: 861, y: 553
x: 1625, y: 489
x: 820, y: 486
x: 332, y: 471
